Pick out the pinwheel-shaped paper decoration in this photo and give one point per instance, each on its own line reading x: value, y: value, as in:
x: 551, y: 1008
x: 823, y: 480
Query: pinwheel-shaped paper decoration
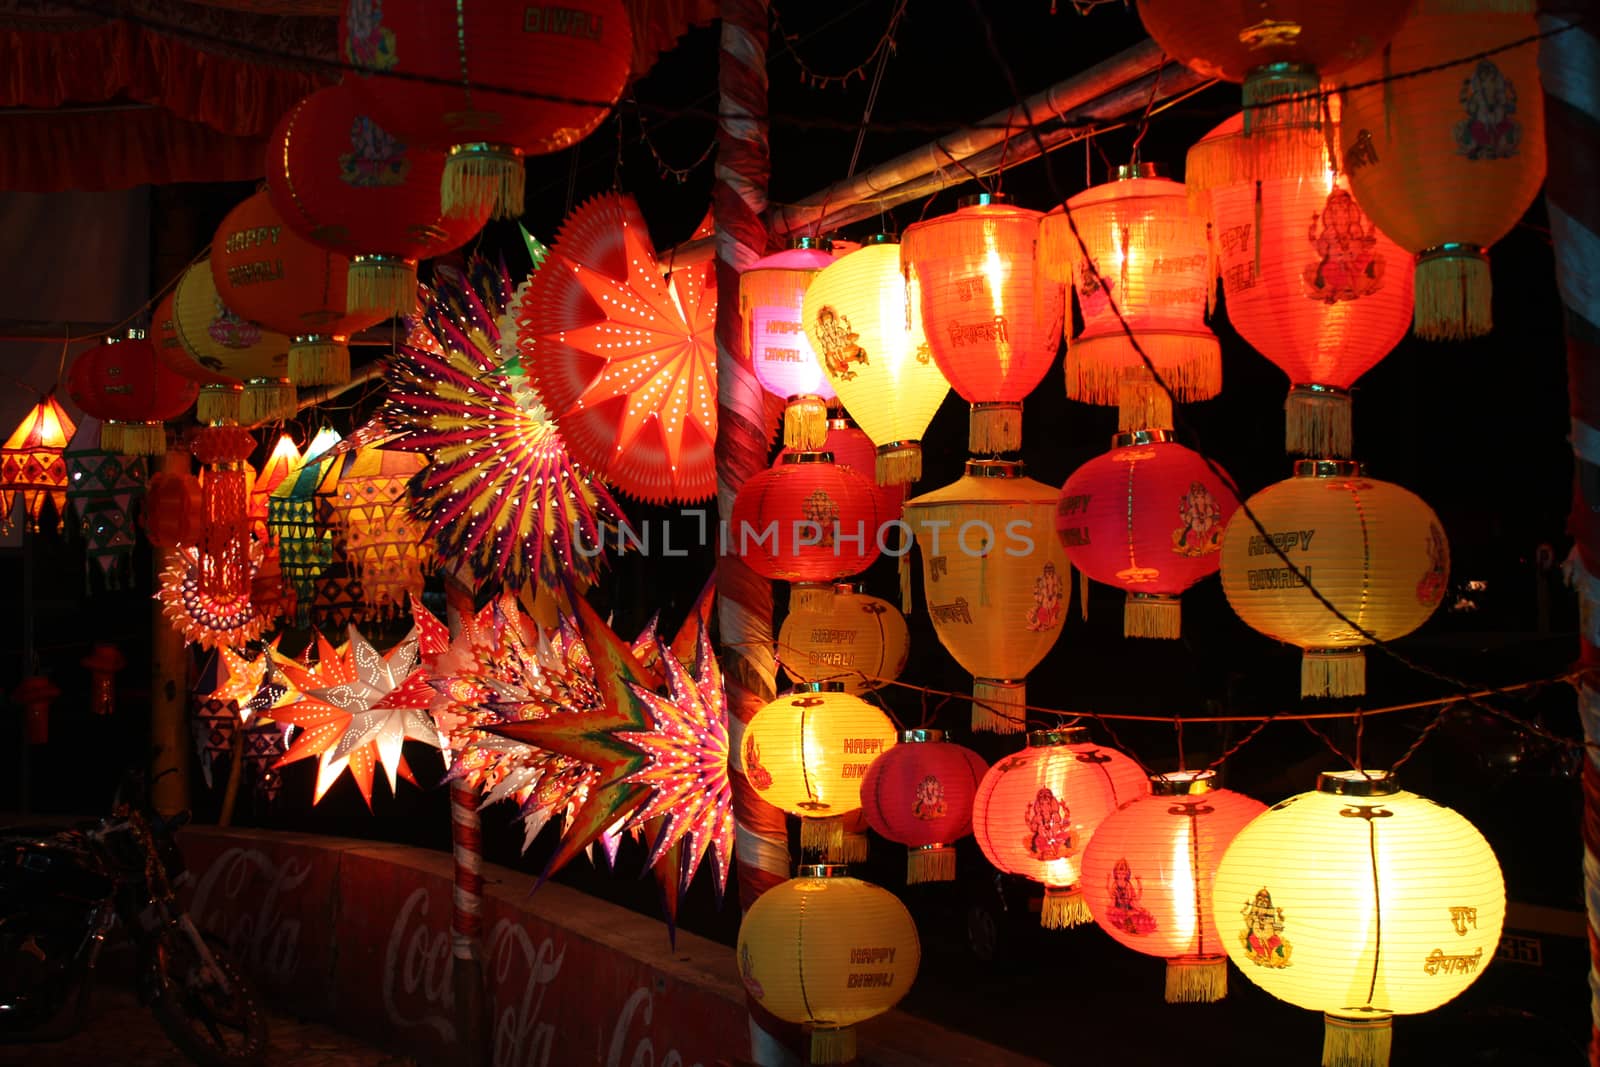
x: 387, y: 549
x: 31, y: 463
x: 204, y: 619
x: 622, y: 358
x: 101, y: 490
x: 501, y: 496
x: 305, y: 546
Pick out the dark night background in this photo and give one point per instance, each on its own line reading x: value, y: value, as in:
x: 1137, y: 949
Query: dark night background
x: 1477, y: 429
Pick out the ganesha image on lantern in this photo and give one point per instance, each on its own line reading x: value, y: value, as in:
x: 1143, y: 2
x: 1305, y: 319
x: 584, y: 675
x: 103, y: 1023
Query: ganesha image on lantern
x: 1430, y: 589
x: 1490, y: 100
x: 1201, y: 532
x: 839, y: 348
x: 1126, y: 889
x: 1263, y: 933
x: 747, y: 973
x: 375, y: 156
x: 928, y: 803
x: 231, y: 331
x: 1050, y: 834
x: 1047, y: 600
x: 1348, y: 266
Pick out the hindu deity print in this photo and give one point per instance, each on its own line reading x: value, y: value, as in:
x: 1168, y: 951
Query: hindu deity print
x: 1348, y: 265
x: 376, y: 157
x: 1047, y: 600
x: 1201, y: 532
x: 839, y: 348
x: 1490, y: 130
x: 1094, y: 292
x: 1126, y: 890
x: 928, y: 802
x: 758, y: 775
x: 231, y: 331
x: 821, y: 509
x: 1050, y: 834
x: 1263, y: 936
x: 1430, y: 589
x: 747, y: 973
x: 368, y: 43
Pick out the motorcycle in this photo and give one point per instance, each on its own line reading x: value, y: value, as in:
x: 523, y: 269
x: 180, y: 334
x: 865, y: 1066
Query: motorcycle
x: 62, y: 894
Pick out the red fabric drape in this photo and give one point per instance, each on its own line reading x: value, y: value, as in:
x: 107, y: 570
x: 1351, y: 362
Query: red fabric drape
x: 48, y: 152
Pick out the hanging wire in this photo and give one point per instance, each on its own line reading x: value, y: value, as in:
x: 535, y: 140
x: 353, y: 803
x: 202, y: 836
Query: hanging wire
x: 822, y: 81
x: 886, y: 49
x: 1150, y: 103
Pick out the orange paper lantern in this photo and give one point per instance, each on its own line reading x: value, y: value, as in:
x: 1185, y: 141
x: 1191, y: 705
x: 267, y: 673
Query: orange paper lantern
x: 992, y: 322
x: 844, y: 636
x: 33, y: 465
x: 1447, y: 162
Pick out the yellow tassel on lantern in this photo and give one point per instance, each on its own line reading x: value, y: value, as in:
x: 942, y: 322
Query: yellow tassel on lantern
x: 319, y: 360
x: 1197, y: 979
x: 994, y: 427
x: 822, y: 837
x: 1317, y: 422
x: 1453, y: 290
x: 219, y: 402
x: 134, y: 438
x: 1064, y: 907
x: 930, y: 863
x: 805, y: 423
x: 267, y: 400
x: 482, y: 176
x: 1152, y: 615
x: 383, y: 283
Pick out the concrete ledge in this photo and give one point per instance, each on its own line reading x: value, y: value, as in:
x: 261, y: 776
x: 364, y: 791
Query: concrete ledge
x: 357, y: 934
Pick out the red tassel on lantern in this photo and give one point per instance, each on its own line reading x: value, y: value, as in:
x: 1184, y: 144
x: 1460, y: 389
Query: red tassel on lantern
x: 225, y: 510
x: 103, y: 664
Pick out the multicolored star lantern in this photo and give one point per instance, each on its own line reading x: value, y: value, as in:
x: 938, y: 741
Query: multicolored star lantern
x: 206, y: 620
x: 623, y: 359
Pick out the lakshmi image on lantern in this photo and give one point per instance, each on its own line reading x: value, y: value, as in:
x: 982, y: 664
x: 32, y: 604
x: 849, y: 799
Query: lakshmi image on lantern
x: 1126, y: 890
x: 1050, y: 823
x: 1201, y: 532
x: 1263, y: 932
x: 1047, y: 600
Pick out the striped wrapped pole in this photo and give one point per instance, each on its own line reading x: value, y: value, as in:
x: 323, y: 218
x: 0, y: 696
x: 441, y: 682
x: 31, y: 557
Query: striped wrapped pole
x: 1569, y: 68
x: 466, y: 898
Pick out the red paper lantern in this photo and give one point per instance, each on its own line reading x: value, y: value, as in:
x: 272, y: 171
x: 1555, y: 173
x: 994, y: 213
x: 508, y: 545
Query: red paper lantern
x: 854, y: 450
x: 993, y: 321
x: 172, y: 509
x: 224, y: 537
x: 919, y: 793
x: 35, y: 694
x: 565, y: 64
x: 1037, y: 810
x: 1146, y: 517
x: 1148, y: 874
x: 269, y: 274
x: 1313, y: 285
x: 806, y: 519
x: 123, y: 384
x: 103, y: 664
x: 345, y: 183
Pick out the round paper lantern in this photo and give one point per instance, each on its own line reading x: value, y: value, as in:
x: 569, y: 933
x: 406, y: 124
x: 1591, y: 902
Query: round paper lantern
x: 992, y: 323
x: 847, y: 637
x: 1373, y: 549
x: 1363, y: 901
x: 853, y: 449
x: 771, y: 297
x: 919, y: 794
x: 806, y: 519
x: 1152, y: 262
x: 566, y: 65
x: 874, y: 352
x: 996, y: 581
x: 1038, y: 809
x: 345, y: 183
x: 1146, y: 517
x: 271, y: 275
x: 1147, y: 877
x: 1447, y: 162
x: 219, y: 342
x: 1313, y: 285
x: 220, y: 396
x: 807, y: 753
x: 123, y: 384
x: 828, y: 951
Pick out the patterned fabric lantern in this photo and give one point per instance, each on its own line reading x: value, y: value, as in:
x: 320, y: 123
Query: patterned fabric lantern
x: 808, y: 520
x: 121, y: 382
x: 1038, y: 809
x: 1362, y: 901
x: 1373, y: 549
x: 386, y: 546
x: 222, y: 343
x: 283, y: 460
x: 807, y: 753
x: 828, y: 951
x: 1148, y: 872
x: 102, y: 488
x: 847, y: 637
x: 305, y: 545
x: 172, y: 507
x: 1312, y: 284
x: 995, y: 579
x: 33, y: 467
x: 1146, y: 517
x: 345, y: 183
x: 992, y: 323
x: 771, y: 298
x: 1447, y: 162
x: 873, y: 350
x: 577, y: 52
x: 919, y: 794
x: 1152, y: 263
x: 267, y: 273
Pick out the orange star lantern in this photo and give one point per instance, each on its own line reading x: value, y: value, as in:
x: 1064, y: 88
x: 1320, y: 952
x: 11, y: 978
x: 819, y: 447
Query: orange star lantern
x: 993, y: 324
x: 33, y: 466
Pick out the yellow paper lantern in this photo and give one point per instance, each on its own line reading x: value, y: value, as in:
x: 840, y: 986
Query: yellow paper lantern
x: 873, y: 350
x: 223, y: 343
x: 1447, y: 162
x: 808, y: 751
x: 1362, y: 901
x: 828, y: 951
x: 387, y: 547
x: 996, y: 580
x: 1154, y: 264
x: 848, y: 637
x: 1373, y: 549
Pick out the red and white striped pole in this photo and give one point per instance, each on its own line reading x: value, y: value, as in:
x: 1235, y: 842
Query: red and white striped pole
x: 744, y: 598
x: 1569, y: 69
x: 466, y: 898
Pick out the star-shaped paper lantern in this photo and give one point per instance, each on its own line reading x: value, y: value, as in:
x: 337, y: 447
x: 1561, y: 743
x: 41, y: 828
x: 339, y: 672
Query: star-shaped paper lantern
x: 204, y: 619
x: 32, y: 466
x: 624, y: 359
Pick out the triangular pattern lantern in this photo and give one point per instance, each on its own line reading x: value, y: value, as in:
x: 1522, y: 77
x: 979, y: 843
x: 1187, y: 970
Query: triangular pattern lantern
x: 1363, y: 901
x: 771, y: 299
x: 305, y: 544
x: 848, y: 637
x: 1148, y: 872
x: 1447, y: 162
x: 33, y: 467
x: 102, y: 490
x: 1152, y: 263
x: 996, y: 581
x: 1038, y: 809
x: 121, y: 382
x: 1312, y: 284
x: 1376, y: 551
x: 875, y: 353
x: 242, y: 367
x: 387, y: 548
x: 992, y: 322
x: 1147, y: 517
x: 919, y: 794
